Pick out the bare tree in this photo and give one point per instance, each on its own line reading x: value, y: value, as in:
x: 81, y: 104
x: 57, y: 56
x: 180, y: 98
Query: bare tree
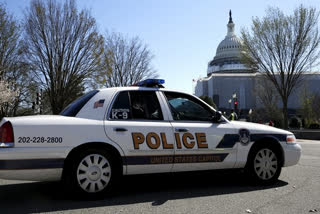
x: 283, y: 47
x: 124, y: 62
x: 266, y: 93
x: 62, y: 48
x: 9, y: 41
x: 12, y: 76
x: 268, y: 97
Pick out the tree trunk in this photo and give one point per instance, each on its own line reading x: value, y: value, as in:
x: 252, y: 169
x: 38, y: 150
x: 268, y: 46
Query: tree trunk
x: 285, y: 113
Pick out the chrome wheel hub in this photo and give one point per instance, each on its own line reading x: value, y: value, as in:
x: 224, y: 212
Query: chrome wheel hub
x: 93, y: 173
x: 265, y: 164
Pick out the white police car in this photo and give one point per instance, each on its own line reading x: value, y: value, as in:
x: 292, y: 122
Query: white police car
x: 137, y: 130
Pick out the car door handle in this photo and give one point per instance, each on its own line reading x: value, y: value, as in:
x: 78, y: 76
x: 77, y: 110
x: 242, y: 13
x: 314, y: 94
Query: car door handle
x: 120, y: 130
x: 181, y: 130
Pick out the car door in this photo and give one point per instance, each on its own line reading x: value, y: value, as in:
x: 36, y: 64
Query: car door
x: 201, y: 144
x: 137, y: 123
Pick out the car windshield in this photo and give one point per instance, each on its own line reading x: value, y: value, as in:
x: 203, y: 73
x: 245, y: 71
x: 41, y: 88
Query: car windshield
x: 73, y: 109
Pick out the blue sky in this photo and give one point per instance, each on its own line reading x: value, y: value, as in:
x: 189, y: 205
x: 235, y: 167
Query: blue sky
x: 182, y: 34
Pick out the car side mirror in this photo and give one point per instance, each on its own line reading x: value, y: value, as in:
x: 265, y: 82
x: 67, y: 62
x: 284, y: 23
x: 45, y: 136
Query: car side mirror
x: 217, y: 116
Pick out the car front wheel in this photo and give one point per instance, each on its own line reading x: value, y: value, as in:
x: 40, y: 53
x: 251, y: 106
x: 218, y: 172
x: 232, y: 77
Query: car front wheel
x: 264, y: 165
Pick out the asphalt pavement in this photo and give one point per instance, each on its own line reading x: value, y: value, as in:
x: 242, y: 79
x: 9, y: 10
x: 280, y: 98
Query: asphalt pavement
x: 297, y: 191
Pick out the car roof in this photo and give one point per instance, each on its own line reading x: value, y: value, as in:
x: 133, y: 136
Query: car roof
x: 137, y: 88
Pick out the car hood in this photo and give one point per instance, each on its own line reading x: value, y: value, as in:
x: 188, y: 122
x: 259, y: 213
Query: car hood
x: 256, y: 128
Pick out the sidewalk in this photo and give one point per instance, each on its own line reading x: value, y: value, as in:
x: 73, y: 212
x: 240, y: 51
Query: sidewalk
x: 304, y: 141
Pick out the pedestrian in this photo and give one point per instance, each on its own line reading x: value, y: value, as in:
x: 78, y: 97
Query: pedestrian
x: 271, y: 123
x: 233, y: 115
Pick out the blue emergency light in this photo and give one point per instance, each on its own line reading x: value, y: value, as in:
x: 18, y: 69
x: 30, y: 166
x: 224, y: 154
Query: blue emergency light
x: 151, y: 83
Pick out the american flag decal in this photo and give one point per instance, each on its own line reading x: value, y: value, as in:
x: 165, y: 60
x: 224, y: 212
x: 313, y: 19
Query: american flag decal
x: 98, y: 104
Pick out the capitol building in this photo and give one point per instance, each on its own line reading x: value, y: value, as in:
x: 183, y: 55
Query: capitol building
x: 228, y: 78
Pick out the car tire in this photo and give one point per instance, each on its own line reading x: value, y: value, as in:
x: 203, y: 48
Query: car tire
x: 264, y: 165
x: 92, y: 174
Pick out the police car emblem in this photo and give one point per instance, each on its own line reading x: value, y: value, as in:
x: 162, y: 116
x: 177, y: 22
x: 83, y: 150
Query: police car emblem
x: 244, y: 136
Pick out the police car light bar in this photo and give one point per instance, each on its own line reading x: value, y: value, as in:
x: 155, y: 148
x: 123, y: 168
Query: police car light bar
x: 151, y: 83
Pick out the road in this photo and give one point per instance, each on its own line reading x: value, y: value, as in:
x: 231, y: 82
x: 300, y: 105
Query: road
x: 297, y: 191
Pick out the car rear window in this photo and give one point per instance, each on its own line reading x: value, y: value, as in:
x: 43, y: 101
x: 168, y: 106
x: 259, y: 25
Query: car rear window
x: 73, y: 109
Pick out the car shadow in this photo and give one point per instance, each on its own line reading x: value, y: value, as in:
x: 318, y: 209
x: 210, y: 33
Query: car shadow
x: 156, y: 189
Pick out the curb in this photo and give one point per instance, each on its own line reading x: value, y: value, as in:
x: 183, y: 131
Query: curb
x: 306, y: 134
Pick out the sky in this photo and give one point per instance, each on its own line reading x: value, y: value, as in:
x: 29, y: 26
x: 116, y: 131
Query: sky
x: 182, y: 34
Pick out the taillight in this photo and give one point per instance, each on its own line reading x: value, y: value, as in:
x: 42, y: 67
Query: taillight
x: 6, y: 135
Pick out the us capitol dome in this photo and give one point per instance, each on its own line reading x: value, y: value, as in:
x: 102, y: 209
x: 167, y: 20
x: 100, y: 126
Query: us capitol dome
x: 228, y: 79
x: 227, y: 58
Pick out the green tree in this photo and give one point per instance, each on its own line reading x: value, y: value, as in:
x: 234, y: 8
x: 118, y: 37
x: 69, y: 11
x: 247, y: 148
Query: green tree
x: 124, y: 62
x: 209, y: 101
x: 62, y: 48
x: 308, y: 112
x: 283, y: 47
x: 316, y: 106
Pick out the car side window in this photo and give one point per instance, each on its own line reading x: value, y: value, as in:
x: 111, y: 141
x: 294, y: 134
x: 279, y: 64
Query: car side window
x: 185, y: 107
x: 145, y: 105
x: 121, y: 107
x: 136, y: 105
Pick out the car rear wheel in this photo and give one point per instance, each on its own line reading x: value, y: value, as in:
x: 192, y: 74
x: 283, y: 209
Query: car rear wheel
x: 264, y: 165
x: 92, y: 173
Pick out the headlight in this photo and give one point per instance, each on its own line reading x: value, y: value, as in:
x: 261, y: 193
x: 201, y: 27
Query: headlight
x: 291, y: 139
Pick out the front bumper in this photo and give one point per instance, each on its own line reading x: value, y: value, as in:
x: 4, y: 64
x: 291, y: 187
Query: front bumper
x: 292, y: 154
